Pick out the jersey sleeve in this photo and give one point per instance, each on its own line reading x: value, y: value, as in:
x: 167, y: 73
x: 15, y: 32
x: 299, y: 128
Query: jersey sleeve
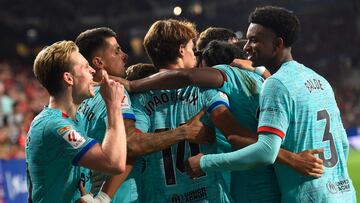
x: 126, y: 107
x: 73, y: 141
x: 275, y: 106
x: 227, y: 75
x: 142, y: 119
x: 213, y: 99
x: 259, y: 154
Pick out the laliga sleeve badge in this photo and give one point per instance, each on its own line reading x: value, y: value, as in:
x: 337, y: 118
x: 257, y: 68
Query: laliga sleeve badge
x: 74, y: 139
x: 125, y: 103
x: 224, y: 96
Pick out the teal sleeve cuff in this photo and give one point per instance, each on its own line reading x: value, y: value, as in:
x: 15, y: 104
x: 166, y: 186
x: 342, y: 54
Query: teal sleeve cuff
x: 261, y: 153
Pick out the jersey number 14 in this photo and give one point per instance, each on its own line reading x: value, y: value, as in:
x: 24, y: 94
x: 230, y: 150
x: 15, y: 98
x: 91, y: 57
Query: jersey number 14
x: 168, y: 162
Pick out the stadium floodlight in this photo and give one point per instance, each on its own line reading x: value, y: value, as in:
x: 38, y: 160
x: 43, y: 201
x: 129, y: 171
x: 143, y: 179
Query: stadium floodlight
x: 177, y: 10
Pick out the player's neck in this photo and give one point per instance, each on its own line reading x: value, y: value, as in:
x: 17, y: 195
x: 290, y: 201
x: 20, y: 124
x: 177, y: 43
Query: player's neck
x: 282, y: 58
x: 65, y: 104
x: 173, y: 66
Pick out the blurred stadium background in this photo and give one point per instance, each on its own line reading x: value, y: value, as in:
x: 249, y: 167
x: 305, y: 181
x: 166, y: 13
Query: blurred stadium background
x: 329, y: 43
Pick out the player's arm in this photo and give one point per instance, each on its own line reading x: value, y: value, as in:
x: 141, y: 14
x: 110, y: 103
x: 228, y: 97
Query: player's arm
x: 238, y: 136
x: 247, y: 65
x: 112, y: 184
x: 143, y: 143
x: 139, y: 143
x: 259, y: 154
x: 173, y: 79
x: 304, y: 162
x: 108, y: 189
x: 110, y: 156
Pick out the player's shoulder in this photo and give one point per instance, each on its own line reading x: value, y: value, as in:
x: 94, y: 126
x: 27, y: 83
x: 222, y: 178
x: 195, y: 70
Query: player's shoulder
x: 274, y: 84
x: 238, y: 73
x: 50, y: 116
x: 228, y: 70
x: 136, y: 97
x: 223, y: 67
x: 57, y: 119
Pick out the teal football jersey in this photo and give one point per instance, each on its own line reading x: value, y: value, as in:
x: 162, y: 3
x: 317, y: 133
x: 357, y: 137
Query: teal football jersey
x: 164, y: 178
x: 243, y: 88
x: 94, y: 110
x: 299, y: 105
x: 55, y: 145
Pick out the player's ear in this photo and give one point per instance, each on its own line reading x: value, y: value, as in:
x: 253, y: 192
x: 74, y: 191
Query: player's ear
x: 181, y: 50
x: 68, y: 78
x: 278, y: 43
x: 98, y: 62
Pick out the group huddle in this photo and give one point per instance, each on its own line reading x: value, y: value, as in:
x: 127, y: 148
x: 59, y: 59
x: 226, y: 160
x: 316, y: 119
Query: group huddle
x: 211, y: 125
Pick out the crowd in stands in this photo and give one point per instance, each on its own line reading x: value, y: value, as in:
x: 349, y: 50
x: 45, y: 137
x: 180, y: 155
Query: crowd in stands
x: 21, y: 99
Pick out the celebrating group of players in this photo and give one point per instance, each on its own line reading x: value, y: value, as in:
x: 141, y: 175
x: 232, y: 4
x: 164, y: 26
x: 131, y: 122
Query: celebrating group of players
x: 209, y: 126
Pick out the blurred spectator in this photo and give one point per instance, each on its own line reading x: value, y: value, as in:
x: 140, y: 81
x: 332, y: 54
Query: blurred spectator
x: 21, y: 98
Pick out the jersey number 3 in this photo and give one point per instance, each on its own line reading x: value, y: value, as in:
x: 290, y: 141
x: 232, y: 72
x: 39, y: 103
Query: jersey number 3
x: 332, y: 161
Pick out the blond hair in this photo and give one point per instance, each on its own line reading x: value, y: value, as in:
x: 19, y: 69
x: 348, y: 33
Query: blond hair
x: 51, y: 63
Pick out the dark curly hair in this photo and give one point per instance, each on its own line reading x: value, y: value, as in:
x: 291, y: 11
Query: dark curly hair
x: 220, y: 52
x: 281, y: 21
x: 140, y: 70
x: 213, y: 33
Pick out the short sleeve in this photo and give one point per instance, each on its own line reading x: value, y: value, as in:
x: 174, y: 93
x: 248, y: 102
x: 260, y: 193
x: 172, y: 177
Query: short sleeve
x: 74, y: 143
x: 142, y: 119
x: 227, y: 85
x: 126, y: 107
x: 275, y: 106
x: 213, y: 99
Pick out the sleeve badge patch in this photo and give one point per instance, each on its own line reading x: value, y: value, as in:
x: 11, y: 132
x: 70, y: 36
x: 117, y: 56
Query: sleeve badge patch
x: 64, y: 129
x: 224, y: 96
x: 125, y: 103
x: 74, y: 138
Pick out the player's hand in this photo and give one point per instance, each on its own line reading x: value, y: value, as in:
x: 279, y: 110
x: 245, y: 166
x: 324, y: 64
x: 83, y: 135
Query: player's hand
x: 197, y: 132
x: 243, y: 64
x: 112, y: 92
x: 89, y: 198
x: 192, y: 166
x: 123, y: 81
x: 309, y: 165
x: 85, y: 197
x: 97, y: 181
